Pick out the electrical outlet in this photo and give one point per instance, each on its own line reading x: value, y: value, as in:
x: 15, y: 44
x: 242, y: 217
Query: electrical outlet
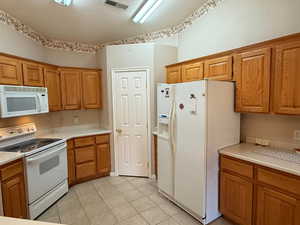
x: 75, y: 120
x: 258, y: 141
x: 262, y: 142
x: 297, y: 135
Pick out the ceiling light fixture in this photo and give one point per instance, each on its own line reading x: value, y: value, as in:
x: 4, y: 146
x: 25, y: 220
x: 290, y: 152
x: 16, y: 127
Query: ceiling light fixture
x: 64, y: 2
x: 148, y: 8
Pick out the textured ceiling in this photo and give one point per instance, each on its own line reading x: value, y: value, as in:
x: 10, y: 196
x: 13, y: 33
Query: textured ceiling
x: 91, y: 21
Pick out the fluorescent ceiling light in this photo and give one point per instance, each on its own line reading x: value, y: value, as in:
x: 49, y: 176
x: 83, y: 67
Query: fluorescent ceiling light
x: 64, y: 2
x: 148, y: 8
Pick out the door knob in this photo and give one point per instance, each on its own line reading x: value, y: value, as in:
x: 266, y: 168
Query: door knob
x: 119, y: 131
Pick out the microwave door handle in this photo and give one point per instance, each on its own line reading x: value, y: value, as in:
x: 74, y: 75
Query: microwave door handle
x: 43, y: 155
x: 39, y: 103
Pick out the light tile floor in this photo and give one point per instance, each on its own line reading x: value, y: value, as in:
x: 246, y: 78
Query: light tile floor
x: 118, y: 201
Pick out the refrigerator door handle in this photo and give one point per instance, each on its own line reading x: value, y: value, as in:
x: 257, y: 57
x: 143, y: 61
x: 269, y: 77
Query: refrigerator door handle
x: 172, y: 128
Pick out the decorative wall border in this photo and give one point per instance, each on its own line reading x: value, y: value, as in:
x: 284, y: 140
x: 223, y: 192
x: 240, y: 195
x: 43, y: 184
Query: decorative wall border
x: 29, y: 32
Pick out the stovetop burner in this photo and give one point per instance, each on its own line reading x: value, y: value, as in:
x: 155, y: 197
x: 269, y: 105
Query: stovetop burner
x: 30, y: 145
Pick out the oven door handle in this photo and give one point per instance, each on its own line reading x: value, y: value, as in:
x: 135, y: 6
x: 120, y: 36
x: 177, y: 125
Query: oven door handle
x: 43, y: 155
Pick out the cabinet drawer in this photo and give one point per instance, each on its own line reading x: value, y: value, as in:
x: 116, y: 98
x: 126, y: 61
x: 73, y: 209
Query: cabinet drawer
x: 12, y: 170
x: 85, y: 154
x: 70, y: 144
x: 282, y: 181
x: 85, y: 170
x: 85, y: 141
x: 102, y: 139
x: 237, y: 167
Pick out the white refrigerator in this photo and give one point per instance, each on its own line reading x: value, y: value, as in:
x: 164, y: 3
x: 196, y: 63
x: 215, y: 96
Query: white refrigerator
x: 195, y: 120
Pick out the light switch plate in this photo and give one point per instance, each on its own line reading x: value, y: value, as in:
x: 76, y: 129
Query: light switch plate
x: 297, y: 135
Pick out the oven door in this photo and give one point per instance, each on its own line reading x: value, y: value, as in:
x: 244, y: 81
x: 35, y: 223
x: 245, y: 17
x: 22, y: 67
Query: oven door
x: 19, y: 104
x: 45, y: 170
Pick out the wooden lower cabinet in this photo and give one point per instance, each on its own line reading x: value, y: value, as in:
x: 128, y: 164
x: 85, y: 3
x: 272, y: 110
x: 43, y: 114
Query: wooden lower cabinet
x: 236, y: 198
x: 270, y: 197
x: 85, y: 170
x: 13, y: 190
x: 275, y: 208
x: 103, y: 159
x: 71, y: 166
x: 88, y: 158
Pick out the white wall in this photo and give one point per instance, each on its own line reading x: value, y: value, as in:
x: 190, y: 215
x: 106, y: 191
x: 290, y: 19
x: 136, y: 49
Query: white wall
x: 15, y: 43
x: 236, y: 23
x: 64, y: 58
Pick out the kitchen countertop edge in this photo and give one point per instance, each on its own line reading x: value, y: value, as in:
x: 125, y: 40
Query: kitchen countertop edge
x: 266, y: 161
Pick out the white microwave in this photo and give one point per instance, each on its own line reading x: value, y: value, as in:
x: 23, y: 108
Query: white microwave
x: 22, y: 100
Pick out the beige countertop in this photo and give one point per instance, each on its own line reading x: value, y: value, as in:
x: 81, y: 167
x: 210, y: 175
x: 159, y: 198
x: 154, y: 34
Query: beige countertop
x: 76, y: 133
x: 263, y: 156
x: 13, y: 221
x: 6, y: 157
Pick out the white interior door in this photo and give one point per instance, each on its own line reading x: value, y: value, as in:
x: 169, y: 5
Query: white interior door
x: 131, y: 122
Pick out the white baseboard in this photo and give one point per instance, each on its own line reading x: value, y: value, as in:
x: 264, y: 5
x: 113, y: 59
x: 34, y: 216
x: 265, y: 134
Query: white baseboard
x: 112, y: 174
x: 153, y: 177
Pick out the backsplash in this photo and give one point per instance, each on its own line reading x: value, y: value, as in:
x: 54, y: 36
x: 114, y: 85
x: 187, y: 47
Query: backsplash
x: 58, y: 121
x: 278, y: 129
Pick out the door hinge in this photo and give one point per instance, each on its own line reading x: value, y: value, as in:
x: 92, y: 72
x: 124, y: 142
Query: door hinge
x: 148, y: 165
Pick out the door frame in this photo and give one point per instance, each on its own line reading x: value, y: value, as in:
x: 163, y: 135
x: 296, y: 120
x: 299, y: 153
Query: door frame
x: 114, y: 72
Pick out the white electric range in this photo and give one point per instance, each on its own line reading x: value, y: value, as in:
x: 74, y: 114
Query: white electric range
x: 45, y: 165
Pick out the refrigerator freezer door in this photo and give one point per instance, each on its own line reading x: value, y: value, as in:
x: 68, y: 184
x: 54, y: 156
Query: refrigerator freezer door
x: 190, y: 163
x: 165, y: 164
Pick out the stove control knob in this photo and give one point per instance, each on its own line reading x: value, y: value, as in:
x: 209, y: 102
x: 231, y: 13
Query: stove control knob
x: 20, y: 130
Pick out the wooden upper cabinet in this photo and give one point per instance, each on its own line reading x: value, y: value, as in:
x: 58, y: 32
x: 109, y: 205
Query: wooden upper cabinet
x: 218, y: 68
x: 252, y: 72
x: 287, y: 79
x: 91, y: 89
x: 10, y: 71
x: 174, y: 74
x: 33, y: 74
x: 52, y: 82
x: 275, y: 208
x: 71, y: 89
x: 192, y: 71
x: 236, y: 196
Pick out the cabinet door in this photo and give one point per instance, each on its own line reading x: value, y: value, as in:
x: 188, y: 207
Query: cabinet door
x: 236, y: 199
x: 13, y: 192
x: 274, y: 208
x: 71, y: 89
x: 192, y: 72
x: 219, y: 68
x: 52, y: 82
x: 33, y: 74
x: 174, y: 74
x: 287, y: 79
x: 252, y: 73
x: 103, y: 159
x: 10, y: 71
x: 71, y: 166
x: 91, y: 89
x: 85, y: 170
